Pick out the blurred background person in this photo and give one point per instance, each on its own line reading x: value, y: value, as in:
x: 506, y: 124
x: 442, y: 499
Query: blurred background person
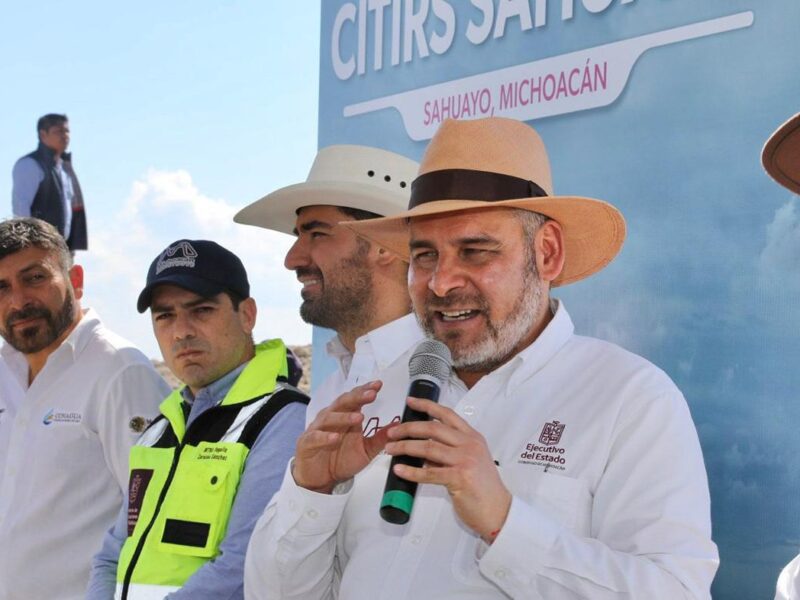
x: 45, y: 185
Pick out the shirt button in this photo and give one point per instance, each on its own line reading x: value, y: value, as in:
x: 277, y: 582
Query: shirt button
x: 416, y: 540
x: 312, y: 513
x: 500, y: 573
x: 469, y: 410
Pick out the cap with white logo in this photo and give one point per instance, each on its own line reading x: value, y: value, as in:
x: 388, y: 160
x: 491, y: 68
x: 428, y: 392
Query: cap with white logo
x: 200, y: 266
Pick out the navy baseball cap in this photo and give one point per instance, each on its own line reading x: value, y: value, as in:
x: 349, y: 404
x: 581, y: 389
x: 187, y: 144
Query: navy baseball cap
x: 200, y: 266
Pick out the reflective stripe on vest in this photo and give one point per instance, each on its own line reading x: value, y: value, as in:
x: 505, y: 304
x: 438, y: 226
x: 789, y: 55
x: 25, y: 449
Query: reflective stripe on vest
x: 183, y: 483
x: 142, y: 591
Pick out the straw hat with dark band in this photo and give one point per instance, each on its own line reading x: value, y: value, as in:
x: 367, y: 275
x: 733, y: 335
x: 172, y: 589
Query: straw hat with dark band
x: 781, y: 154
x: 488, y: 163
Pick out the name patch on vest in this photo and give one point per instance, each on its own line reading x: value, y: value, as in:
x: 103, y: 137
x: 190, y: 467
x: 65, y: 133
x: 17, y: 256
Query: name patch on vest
x: 137, y: 486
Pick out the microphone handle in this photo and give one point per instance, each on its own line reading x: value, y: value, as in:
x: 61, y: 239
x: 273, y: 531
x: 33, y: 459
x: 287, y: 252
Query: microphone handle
x: 398, y: 495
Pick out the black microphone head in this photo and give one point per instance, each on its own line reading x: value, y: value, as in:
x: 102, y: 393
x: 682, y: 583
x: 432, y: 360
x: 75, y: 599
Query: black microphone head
x: 431, y: 359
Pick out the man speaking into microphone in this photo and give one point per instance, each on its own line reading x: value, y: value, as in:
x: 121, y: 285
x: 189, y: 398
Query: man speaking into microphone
x: 554, y: 466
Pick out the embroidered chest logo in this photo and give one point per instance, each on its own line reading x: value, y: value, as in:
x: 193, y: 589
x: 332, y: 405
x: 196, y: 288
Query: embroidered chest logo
x: 551, y: 433
x: 55, y: 416
x: 180, y: 255
x: 546, y: 453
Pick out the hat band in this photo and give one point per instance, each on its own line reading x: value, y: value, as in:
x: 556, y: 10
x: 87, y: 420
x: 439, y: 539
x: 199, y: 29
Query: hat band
x: 467, y: 184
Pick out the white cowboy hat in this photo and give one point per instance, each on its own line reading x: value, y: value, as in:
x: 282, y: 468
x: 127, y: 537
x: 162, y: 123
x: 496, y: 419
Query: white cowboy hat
x: 351, y: 176
x: 781, y: 154
x: 487, y: 163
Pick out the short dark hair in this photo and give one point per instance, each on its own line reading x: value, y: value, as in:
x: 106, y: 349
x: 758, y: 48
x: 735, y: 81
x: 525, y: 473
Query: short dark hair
x: 49, y: 120
x: 236, y: 299
x: 27, y: 232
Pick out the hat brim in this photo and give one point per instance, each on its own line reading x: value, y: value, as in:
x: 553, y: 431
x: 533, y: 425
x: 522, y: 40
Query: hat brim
x: 781, y: 154
x: 594, y: 231
x: 278, y: 211
x: 202, y: 287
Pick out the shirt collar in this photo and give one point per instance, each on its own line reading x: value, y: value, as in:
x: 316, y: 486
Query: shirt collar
x: 386, y: 343
x: 214, y: 392
x: 390, y: 341
x: 72, y: 346
x: 533, y: 358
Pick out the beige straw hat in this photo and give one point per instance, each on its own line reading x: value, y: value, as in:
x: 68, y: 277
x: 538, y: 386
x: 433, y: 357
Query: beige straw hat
x: 346, y: 175
x: 781, y: 154
x: 487, y: 163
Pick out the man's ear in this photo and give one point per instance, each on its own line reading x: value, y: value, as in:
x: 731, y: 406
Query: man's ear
x: 247, y: 314
x: 385, y: 257
x: 548, y: 244
x: 76, y: 279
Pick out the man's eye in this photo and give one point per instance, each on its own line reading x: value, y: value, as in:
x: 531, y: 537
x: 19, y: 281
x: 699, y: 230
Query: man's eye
x: 163, y: 316
x: 318, y: 234
x: 426, y: 256
x: 476, y: 252
x: 203, y: 310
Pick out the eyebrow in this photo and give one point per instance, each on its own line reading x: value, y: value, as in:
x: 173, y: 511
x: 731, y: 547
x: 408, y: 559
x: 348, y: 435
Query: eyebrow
x: 465, y: 241
x: 161, y: 308
x: 315, y: 224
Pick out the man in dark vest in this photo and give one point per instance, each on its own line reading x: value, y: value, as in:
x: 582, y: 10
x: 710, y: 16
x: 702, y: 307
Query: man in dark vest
x: 46, y: 187
x: 202, y: 473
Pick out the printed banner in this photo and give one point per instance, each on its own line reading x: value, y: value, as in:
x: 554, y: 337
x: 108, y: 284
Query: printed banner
x: 662, y: 109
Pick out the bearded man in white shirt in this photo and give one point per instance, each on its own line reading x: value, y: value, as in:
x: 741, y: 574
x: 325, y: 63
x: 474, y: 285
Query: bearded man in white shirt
x: 781, y: 159
x: 350, y: 285
x: 87, y: 394
x: 556, y: 466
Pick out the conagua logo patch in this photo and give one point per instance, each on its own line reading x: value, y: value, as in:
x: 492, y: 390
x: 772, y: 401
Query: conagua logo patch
x: 180, y: 255
x: 54, y: 416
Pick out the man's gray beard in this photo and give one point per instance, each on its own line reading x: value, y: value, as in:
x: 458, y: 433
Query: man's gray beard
x: 347, y: 303
x: 501, y: 339
x: 31, y: 341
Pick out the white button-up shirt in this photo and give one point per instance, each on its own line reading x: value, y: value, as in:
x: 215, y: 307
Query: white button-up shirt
x: 66, y: 460
x: 610, y: 496
x: 11, y: 395
x: 384, y: 350
x: 788, y: 587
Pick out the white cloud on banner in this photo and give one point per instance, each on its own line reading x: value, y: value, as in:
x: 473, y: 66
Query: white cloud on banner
x: 164, y: 206
x: 778, y: 262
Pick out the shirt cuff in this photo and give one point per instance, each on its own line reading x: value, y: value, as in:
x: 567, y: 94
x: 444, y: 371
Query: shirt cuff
x: 310, y: 512
x: 518, y: 552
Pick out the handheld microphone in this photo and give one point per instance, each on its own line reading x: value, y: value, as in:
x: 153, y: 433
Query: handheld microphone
x: 428, y: 368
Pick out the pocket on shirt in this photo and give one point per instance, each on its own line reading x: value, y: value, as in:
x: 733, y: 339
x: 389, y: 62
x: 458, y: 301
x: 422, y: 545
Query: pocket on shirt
x: 564, y: 499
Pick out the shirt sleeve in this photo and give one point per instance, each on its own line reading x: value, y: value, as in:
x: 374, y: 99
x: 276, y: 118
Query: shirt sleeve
x: 103, y: 578
x: 651, y: 532
x: 292, y: 552
x: 26, y: 177
x: 223, y: 577
x: 788, y: 586
x: 129, y: 403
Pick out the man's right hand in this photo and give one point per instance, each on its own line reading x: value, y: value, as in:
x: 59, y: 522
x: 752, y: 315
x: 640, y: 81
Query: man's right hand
x: 333, y: 448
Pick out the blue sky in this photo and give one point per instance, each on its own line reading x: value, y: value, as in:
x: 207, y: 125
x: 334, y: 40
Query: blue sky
x: 181, y: 112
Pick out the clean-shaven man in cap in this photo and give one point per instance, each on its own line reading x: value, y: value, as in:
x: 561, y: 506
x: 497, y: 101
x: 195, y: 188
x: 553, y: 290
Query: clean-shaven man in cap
x: 350, y: 285
x: 556, y: 466
x: 781, y: 159
x: 202, y: 473
x: 85, y: 395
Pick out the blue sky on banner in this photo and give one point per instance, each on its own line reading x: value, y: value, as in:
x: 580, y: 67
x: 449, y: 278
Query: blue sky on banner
x: 181, y: 112
x: 707, y: 282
